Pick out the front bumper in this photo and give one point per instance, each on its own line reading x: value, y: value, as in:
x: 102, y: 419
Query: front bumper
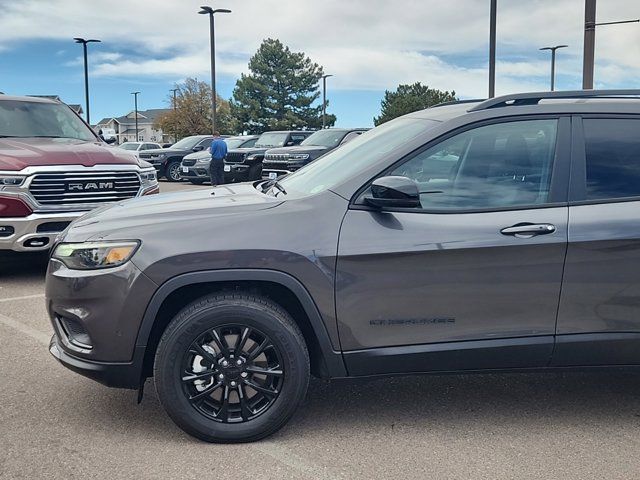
x: 195, y: 172
x: 117, y: 375
x: 34, y: 233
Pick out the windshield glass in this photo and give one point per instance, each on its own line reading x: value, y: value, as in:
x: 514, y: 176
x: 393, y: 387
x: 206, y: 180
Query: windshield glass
x: 130, y: 146
x: 187, y: 143
x: 234, y: 142
x: 325, y: 138
x: 35, y: 119
x: 342, y: 163
x: 271, y: 140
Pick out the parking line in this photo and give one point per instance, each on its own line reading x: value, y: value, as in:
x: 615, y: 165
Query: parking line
x: 24, y: 297
x: 283, y: 455
x: 37, y: 335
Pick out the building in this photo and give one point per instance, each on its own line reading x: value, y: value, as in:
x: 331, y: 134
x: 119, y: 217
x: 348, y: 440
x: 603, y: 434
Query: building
x: 125, y: 126
x: 74, y: 106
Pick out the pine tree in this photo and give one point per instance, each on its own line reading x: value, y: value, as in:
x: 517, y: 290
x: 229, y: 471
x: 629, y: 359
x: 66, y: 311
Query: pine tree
x: 410, y: 98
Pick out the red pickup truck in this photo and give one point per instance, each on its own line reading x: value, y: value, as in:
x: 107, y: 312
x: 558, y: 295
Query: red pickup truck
x: 54, y: 168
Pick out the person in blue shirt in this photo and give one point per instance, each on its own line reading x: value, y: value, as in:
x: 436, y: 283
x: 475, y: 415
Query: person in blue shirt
x: 218, y: 150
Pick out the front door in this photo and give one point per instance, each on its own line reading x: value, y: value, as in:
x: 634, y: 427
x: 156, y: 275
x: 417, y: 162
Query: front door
x: 470, y: 280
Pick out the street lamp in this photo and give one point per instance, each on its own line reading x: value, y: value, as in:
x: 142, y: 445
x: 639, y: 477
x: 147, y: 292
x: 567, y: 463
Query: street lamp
x: 211, y: 12
x: 324, y: 98
x: 492, y: 48
x: 86, y: 71
x: 135, y: 111
x: 588, y: 61
x: 553, y: 62
x: 175, y: 117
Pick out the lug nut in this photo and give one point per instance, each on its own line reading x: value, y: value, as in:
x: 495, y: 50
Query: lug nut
x: 239, y: 362
x: 221, y: 377
x: 225, y: 363
x: 244, y: 374
x: 233, y: 384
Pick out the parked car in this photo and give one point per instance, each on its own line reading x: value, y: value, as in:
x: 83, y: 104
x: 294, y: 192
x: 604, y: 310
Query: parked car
x: 54, y: 168
x: 167, y: 160
x: 245, y: 164
x: 137, y: 147
x: 484, y: 236
x: 195, y: 166
x: 284, y: 160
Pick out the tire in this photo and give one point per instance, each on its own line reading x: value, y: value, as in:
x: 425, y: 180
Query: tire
x: 185, y: 349
x: 255, y: 172
x: 197, y: 182
x: 172, y: 171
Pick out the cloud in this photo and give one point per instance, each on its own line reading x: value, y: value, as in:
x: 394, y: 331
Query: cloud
x: 366, y: 44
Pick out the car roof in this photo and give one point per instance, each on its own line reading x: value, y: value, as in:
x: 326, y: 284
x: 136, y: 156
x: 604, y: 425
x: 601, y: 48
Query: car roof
x: 28, y: 99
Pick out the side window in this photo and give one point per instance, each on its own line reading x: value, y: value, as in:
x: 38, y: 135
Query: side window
x: 494, y: 166
x: 249, y: 143
x: 297, y: 138
x: 206, y: 143
x: 612, y: 149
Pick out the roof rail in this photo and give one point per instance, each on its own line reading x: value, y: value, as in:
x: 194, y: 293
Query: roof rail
x: 456, y: 102
x: 517, y: 99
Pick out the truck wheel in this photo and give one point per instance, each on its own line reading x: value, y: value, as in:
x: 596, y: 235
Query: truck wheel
x: 231, y: 367
x: 173, y: 171
x: 255, y: 172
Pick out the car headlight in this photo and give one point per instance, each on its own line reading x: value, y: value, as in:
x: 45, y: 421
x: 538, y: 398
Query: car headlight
x: 149, y: 178
x: 252, y: 157
x: 298, y: 156
x: 160, y: 156
x: 203, y: 160
x: 11, y: 180
x: 95, y: 255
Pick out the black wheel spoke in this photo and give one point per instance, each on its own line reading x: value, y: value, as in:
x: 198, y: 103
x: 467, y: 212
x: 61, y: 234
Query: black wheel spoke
x: 223, y: 413
x: 266, y: 343
x: 276, y: 371
x: 265, y: 391
x: 191, y: 376
x: 200, y: 350
x: 245, y: 410
x: 242, y: 340
x: 205, y: 392
x: 221, y: 342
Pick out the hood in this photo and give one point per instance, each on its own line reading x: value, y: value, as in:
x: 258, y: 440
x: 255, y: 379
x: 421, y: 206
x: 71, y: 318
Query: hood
x: 204, y: 154
x: 19, y: 153
x: 248, y: 151
x: 168, y: 151
x: 169, y: 213
x: 298, y: 149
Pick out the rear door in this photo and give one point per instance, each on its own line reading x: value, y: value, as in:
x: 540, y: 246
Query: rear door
x: 472, y: 278
x: 599, y: 315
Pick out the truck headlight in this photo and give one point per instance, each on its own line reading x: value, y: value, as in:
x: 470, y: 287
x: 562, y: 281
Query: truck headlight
x: 11, y: 180
x: 149, y: 178
x: 298, y: 156
x: 95, y: 255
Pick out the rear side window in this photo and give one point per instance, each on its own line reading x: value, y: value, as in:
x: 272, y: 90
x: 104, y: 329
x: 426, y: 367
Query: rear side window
x: 612, y: 158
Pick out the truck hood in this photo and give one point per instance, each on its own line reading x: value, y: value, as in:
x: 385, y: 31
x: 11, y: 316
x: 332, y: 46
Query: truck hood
x: 170, y: 213
x: 19, y: 153
x: 311, y: 149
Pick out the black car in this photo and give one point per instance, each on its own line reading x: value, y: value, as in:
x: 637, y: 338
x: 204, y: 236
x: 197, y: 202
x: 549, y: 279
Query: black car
x: 475, y: 236
x: 281, y: 161
x: 167, y: 160
x: 245, y: 164
x: 195, y: 166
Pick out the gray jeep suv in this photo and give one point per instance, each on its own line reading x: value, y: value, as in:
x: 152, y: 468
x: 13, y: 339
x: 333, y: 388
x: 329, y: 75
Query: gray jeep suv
x: 494, y: 235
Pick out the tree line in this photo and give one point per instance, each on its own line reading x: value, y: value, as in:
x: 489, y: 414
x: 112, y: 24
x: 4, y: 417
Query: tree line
x: 278, y: 93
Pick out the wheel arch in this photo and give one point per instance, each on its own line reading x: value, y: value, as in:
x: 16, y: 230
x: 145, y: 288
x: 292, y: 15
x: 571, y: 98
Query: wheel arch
x: 282, y: 288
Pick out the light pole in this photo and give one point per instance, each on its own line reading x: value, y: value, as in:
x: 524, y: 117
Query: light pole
x: 211, y: 12
x: 553, y: 62
x: 588, y: 61
x: 135, y: 111
x: 86, y: 71
x: 324, y: 98
x: 492, y: 48
x: 175, y: 117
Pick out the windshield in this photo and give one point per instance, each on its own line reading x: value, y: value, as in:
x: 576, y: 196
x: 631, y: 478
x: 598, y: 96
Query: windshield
x: 325, y: 138
x: 35, y: 119
x: 130, y: 146
x: 342, y: 163
x: 187, y: 143
x: 234, y: 142
x: 271, y: 140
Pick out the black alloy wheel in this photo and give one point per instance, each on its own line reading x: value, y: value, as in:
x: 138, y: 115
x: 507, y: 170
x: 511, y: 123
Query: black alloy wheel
x: 173, y: 172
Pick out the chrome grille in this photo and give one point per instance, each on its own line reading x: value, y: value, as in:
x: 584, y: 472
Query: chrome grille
x: 74, y: 188
x: 188, y: 163
x: 278, y: 157
x: 234, y: 157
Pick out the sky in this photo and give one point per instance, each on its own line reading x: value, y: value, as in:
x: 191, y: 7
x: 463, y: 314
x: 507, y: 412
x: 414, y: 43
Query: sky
x: 368, y: 45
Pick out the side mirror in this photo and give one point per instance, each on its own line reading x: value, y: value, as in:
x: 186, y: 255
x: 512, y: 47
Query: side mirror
x: 290, y: 143
x: 393, y: 192
x: 198, y: 148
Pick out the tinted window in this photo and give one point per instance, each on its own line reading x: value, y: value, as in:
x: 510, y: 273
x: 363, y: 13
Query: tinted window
x: 206, y: 143
x: 297, y: 138
x: 249, y: 143
x: 494, y: 166
x: 613, y: 158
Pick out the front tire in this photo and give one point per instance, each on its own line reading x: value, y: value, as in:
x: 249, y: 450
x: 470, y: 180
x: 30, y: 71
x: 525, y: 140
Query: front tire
x: 173, y: 171
x: 231, y: 367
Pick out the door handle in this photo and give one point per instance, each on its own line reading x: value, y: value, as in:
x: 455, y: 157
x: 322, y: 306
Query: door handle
x: 528, y: 230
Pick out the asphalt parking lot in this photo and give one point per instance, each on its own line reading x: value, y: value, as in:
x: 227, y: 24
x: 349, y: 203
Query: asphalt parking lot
x: 56, y: 424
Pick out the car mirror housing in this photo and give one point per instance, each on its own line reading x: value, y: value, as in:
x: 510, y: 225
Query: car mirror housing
x: 393, y: 192
x: 198, y: 148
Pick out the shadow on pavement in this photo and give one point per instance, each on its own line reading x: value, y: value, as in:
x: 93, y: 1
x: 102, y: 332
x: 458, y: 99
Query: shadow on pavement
x: 20, y: 266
